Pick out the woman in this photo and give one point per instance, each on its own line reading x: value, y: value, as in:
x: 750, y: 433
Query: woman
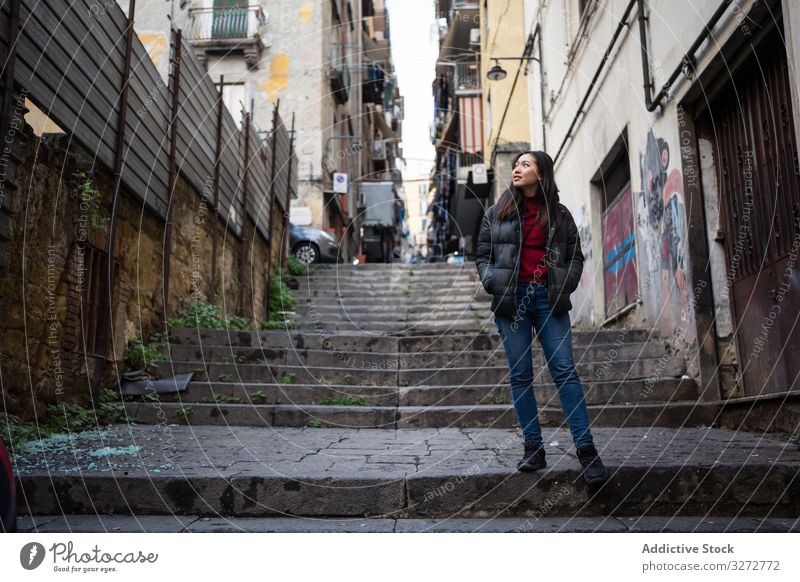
x: 529, y: 258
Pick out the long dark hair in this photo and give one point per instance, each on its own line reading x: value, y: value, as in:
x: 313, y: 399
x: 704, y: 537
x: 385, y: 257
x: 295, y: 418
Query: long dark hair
x: 510, y: 202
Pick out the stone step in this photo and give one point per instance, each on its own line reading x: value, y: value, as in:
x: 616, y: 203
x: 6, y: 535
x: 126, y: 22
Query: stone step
x: 604, y: 392
x: 670, y: 414
x: 343, y: 272
x: 466, y: 318
x: 441, y: 293
x: 620, y: 370
x: 366, y: 342
x: 377, y: 309
x: 199, y: 524
x: 400, y: 327
x: 492, y: 341
x: 409, y: 473
x: 334, y: 311
x: 365, y: 319
x: 665, y: 367
x: 337, y: 281
x: 596, y: 393
x: 399, y: 296
x: 604, y: 354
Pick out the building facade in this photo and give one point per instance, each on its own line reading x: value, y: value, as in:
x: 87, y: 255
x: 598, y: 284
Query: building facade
x: 326, y: 61
x: 674, y: 134
x: 461, y: 183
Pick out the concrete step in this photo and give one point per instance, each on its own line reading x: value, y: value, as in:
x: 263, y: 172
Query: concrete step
x: 607, y: 392
x: 464, y: 319
x: 331, y: 296
x: 366, y: 319
x: 326, y: 309
x: 620, y: 370
x: 603, y: 354
x: 291, y: 339
x: 373, y: 275
x: 451, y: 473
x: 278, y: 373
x: 396, y: 328
x: 386, y: 283
x: 358, y: 374
x: 366, y: 342
x: 670, y: 414
x: 596, y: 393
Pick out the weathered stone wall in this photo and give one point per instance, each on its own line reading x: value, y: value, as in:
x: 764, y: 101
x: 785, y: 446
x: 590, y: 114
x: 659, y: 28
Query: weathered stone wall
x: 54, y: 226
x: 42, y: 353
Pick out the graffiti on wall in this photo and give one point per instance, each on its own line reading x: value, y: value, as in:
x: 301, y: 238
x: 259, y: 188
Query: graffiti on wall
x: 619, y: 254
x: 662, y: 225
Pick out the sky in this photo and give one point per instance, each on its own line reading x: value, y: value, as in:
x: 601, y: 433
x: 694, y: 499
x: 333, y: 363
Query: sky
x: 415, y: 47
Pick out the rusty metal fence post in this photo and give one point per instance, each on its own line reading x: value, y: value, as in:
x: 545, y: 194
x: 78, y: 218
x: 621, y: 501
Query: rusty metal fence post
x: 215, y: 220
x: 107, y: 287
x: 244, y: 247
x: 173, y: 169
x: 268, y: 293
x: 288, y: 195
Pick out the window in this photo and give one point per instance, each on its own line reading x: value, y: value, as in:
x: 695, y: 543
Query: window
x: 612, y: 183
x: 234, y: 95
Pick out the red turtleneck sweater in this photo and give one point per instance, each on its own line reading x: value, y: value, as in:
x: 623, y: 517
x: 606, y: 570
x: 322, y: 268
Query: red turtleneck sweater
x: 534, y: 239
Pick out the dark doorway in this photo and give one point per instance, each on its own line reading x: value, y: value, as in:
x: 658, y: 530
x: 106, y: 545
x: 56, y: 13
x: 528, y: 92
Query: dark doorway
x: 751, y: 127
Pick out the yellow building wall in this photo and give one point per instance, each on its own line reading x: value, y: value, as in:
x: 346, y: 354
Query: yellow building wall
x: 503, y: 34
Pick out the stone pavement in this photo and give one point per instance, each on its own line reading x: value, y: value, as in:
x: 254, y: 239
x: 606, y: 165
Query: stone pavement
x: 449, y: 473
x: 197, y: 524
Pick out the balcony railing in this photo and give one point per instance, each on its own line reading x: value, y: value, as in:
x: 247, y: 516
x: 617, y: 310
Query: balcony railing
x: 467, y: 77
x: 338, y: 73
x: 467, y: 159
x: 229, y: 23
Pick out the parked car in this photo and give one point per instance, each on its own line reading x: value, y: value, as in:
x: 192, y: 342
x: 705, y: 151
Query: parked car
x: 8, y: 496
x: 312, y: 245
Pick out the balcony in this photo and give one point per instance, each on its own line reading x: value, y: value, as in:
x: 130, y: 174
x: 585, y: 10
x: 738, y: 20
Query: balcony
x: 338, y: 74
x: 467, y: 78
x: 466, y: 159
x: 373, y: 86
x: 229, y: 29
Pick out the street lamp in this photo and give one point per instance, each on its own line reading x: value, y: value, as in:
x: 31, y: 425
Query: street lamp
x: 498, y: 73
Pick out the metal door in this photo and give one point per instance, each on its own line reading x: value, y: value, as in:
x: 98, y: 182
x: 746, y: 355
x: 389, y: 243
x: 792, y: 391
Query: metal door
x: 229, y: 19
x: 757, y: 170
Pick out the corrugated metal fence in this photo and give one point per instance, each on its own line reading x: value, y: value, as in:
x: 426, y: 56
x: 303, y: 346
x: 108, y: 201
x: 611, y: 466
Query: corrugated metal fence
x: 70, y: 58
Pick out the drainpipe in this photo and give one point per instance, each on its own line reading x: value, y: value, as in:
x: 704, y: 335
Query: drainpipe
x: 688, y: 62
x: 359, y: 111
x: 686, y: 66
x: 538, y: 34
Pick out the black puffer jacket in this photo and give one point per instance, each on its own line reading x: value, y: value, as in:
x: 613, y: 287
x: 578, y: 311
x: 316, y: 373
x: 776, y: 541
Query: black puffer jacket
x: 498, y: 256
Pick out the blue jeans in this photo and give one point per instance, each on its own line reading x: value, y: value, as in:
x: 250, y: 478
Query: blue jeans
x: 555, y: 335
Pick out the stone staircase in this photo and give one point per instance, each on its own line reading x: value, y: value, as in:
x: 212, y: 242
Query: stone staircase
x: 411, y: 347
x: 390, y: 400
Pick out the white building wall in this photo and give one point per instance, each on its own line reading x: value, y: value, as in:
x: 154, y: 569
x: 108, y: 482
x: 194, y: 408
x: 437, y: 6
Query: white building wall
x: 618, y: 102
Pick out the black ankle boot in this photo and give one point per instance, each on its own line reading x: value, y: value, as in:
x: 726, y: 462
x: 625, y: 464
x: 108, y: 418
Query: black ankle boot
x: 593, y: 469
x: 533, y: 458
